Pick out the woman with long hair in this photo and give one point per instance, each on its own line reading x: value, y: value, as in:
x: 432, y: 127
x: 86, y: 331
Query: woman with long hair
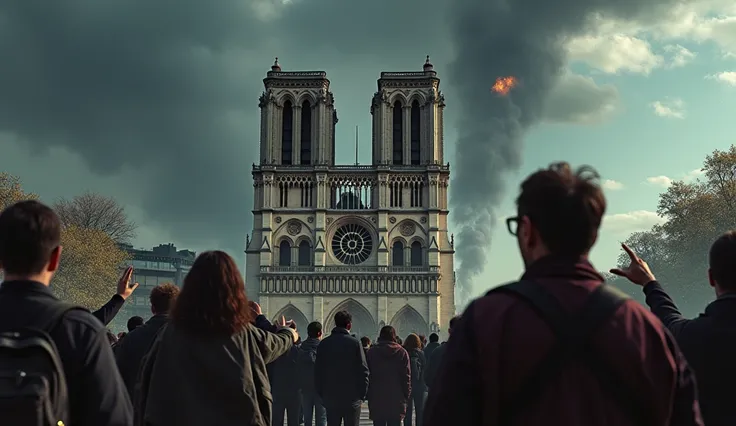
x: 413, y: 346
x: 208, y: 365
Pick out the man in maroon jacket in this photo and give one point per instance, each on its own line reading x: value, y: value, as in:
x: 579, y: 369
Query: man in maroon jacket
x: 558, y: 347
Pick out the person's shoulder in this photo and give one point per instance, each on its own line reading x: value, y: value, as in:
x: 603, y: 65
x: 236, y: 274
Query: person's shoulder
x: 83, y: 319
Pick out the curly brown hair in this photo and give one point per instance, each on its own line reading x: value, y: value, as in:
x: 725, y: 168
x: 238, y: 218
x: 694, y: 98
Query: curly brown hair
x: 212, y: 300
x: 412, y: 342
x: 162, y: 297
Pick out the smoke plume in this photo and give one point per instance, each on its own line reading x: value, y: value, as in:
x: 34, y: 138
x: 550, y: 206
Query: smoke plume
x: 496, y: 38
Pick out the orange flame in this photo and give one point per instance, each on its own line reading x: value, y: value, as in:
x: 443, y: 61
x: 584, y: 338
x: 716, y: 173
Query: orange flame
x: 504, y: 85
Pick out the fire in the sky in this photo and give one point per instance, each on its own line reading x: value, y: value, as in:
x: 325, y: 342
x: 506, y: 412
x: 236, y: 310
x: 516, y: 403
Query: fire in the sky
x: 503, y: 85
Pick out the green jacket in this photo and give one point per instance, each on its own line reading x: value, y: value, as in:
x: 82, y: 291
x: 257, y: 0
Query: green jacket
x: 197, y: 380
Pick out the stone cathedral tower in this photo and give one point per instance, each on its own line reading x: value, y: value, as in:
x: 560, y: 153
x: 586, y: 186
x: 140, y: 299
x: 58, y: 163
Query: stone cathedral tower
x: 371, y: 239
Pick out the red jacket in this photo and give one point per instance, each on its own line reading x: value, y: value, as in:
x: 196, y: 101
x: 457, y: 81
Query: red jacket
x: 500, y: 341
x: 390, y: 383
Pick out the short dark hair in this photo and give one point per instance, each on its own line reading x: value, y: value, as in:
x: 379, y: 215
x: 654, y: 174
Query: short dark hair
x: 453, y: 321
x: 163, y: 297
x: 365, y: 341
x: 343, y: 319
x: 721, y: 256
x: 434, y: 337
x: 387, y: 334
x: 313, y: 329
x: 29, y: 233
x: 134, y: 322
x: 565, y: 206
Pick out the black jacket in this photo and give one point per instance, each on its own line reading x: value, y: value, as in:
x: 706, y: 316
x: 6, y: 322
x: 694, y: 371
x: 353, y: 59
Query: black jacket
x: 429, y: 349
x: 284, y: 373
x: 97, y: 395
x: 709, y: 345
x: 130, y: 351
x: 341, y: 371
x: 107, y: 312
x: 306, y: 360
x: 433, y: 364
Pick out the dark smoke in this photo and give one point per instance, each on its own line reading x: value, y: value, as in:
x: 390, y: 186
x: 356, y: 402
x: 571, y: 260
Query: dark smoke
x: 496, y: 38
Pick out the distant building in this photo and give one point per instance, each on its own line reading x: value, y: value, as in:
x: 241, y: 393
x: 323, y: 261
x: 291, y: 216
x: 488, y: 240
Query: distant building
x: 162, y: 264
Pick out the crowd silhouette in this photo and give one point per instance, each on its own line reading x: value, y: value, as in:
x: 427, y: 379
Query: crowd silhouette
x: 557, y: 347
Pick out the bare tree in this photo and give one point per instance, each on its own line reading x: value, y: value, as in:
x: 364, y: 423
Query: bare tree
x: 95, y: 211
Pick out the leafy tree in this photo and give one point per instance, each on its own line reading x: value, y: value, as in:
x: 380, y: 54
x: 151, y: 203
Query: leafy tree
x: 90, y: 259
x: 11, y: 191
x: 695, y: 214
x: 95, y: 211
x: 90, y: 266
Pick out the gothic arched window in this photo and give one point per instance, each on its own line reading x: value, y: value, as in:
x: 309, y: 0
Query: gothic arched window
x: 287, y: 133
x: 284, y: 253
x: 416, y: 254
x: 415, y: 130
x: 397, y: 254
x: 306, y: 140
x: 398, y: 134
x: 305, y: 253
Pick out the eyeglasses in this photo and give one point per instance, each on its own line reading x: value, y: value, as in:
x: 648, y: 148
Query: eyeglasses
x: 512, y: 224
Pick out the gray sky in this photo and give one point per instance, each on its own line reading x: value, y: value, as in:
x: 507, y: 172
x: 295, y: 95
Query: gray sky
x: 155, y: 101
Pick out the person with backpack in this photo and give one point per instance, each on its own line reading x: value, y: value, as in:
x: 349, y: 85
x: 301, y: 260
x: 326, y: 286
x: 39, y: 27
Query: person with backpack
x: 56, y: 364
x: 311, y: 403
x: 413, y: 346
x: 559, y: 346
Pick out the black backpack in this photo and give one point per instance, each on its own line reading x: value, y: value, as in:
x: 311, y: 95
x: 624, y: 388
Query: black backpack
x: 415, y: 363
x: 573, y: 334
x: 33, y: 389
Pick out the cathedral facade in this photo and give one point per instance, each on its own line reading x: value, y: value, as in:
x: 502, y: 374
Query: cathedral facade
x: 370, y: 239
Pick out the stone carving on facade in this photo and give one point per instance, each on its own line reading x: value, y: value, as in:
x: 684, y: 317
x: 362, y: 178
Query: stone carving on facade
x: 294, y: 227
x: 371, y: 218
x: 423, y: 219
x: 383, y: 180
x: 452, y: 240
x: 330, y: 220
x: 321, y: 178
x: 407, y: 228
x: 310, y: 219
x: 278, y: 219
x: 392, y: 219
x: 433, y: 180
x: 268, y: 180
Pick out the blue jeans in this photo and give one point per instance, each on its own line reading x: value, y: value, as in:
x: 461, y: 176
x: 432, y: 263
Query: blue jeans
x: 311, y: 401
x: 415, y: 403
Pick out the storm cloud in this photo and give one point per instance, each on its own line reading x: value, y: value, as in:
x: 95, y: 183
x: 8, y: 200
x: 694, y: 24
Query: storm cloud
x: 159, y: 97
x: 524, y: 39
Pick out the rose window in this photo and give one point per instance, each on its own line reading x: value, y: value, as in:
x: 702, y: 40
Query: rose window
x: 352, y: 244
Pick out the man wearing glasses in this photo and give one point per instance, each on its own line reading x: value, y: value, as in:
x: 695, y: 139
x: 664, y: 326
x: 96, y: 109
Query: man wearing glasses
x: 560, y: 347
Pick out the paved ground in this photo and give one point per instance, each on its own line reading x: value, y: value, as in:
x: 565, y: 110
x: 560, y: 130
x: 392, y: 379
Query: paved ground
x: 364, y: 420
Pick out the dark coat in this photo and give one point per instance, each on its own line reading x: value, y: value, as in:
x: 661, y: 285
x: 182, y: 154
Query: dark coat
x: 97, y: 395
x: 418, y: 369
x: 284, y: 373
x: 709, y: 344
x: 306, y: 360
x: 107, y: 312
x: 129, y: 352
x: 431, y: 346
x: 390, y: 386
x: 341, y: 372
x: 209, y: 380
x: 483, y: 366
x: 433, y: 364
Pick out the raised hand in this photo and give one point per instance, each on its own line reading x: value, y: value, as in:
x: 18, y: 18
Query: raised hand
x: 255, y: 307
x: 124, y: 287
x: 637, y: 272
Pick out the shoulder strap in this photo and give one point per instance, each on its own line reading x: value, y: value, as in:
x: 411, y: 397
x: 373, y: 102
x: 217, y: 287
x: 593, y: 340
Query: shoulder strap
x: 572, y: 333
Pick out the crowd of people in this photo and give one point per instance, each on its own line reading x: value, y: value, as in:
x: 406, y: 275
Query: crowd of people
x: 556, y: 347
